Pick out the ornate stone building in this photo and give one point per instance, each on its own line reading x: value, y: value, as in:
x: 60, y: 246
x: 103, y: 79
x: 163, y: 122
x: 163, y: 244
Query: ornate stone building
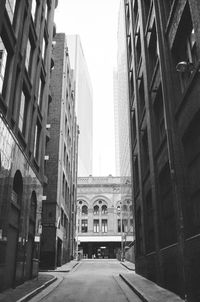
x: 104, y: 218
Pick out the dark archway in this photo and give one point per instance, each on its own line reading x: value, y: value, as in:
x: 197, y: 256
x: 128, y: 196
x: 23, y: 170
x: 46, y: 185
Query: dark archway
x: 13, y: 231
x: 18, y: 187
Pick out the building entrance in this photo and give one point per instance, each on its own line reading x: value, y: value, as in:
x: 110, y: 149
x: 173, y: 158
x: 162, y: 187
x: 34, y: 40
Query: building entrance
x: 100, y: 250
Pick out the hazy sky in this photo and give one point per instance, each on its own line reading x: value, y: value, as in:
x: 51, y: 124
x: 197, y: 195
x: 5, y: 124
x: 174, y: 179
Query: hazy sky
x: 96, y: 23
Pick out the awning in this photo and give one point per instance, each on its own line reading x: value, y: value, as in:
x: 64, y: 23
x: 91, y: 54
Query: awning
x: 103, y: 238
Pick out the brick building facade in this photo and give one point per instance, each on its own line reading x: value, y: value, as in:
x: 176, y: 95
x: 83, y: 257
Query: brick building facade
x: 26, y: 31
x: 163, y: 48
x: 58, y: 218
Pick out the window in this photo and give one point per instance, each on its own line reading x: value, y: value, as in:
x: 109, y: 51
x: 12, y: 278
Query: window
x: 84, y: 226
x: 43, y: 48
x: 133, y: 126
x: 66, y: 127
x: 104, y: 209
x: 28, y: 52
x: 104, y: 226
x: 145, y: 151
x: 153, y: 50
x: 96, y: 210
x: 28, y: 57
x: 131, y: 225
x: 37, y: 141
x: 159, y: 116
x: 40, y: 92
x: 135, y: 10
x: 119, y: 225
x: 33, y: 9
x: 124, y: 225
x: 127, y: 17
x: 138, y: 49
x: 129, y: 51
x: 66, y: 192
x: 141, y: 97
x: 46, y: 10
x: 96, y: 226
x: 84, y: 210
x: 10, y: 7
x: 131, y: 85
x: 23, y: 113
x: 64, y: 156
x: 3, y: 60
x: 63, y: 185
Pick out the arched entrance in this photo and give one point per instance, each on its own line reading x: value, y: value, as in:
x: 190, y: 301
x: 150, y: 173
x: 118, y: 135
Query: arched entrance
x: 13, y: 229
x: 31, y: 236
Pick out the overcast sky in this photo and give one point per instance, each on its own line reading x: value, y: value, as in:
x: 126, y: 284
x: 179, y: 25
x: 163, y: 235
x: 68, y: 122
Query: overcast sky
x: 96, y: 23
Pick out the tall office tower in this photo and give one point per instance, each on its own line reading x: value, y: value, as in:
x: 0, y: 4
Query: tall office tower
x: 163, y: 54
x: 26, y: 30
x: 58, y: 209
x: 84, y: 105
x: 116, y: 121
x: 121, y: 100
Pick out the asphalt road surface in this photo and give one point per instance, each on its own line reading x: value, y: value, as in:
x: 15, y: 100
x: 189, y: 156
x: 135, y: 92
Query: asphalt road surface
x: 90, y: 281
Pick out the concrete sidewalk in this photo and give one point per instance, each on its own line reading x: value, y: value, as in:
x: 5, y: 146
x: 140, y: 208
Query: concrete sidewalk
x: 30, y: 288
x: 65, y: 268
x: 147, y: 290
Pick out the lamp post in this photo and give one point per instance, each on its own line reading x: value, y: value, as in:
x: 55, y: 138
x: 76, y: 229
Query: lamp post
x: 119, y: 211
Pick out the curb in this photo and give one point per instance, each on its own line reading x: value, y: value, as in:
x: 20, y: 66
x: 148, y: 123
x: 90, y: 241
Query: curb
x: 134, y: 289
x: 75, y: 264
x: 54, y: 271
x: 59, y: 271
x: 37, y: 290
x: 130, y: 269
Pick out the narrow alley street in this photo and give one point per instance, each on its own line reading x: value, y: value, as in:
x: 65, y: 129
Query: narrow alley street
x: 91, y: 281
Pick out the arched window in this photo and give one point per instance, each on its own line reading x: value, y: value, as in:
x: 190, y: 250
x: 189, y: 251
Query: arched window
x: 104, y: 209
x: 84, y: 210
x: 96, y: 210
